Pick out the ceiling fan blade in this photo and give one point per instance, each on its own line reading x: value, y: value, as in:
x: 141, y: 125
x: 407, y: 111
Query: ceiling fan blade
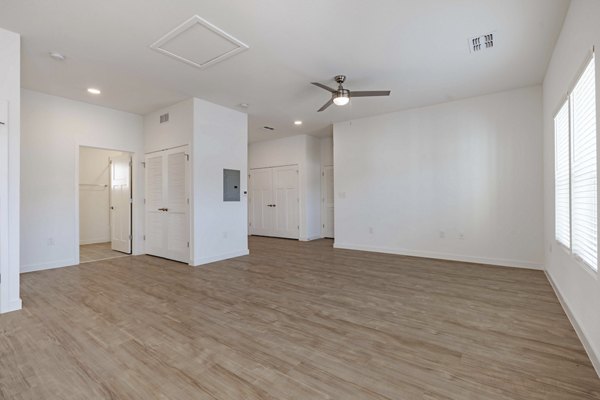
x: 369, y: 93
x: 330, y: 102
x: 324, y: 87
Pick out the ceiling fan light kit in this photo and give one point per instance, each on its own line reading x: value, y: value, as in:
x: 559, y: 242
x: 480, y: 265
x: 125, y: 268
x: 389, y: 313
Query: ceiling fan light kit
x: 341, y: 96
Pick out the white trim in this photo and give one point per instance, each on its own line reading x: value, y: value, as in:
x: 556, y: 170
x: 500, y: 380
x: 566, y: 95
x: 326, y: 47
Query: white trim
x: 94, y: 241
x: 310, y: 238
x: 188, y: 24
x: 594, y: 357
x: 444, y: 256
x: 220, y: 257
x: 49, y: 265
x: 14, y: 305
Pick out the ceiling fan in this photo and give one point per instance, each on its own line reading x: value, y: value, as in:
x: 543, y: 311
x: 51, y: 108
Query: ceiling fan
x: 341, y: 96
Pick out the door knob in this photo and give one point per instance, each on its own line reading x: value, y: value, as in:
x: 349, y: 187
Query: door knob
x: 163, y: 209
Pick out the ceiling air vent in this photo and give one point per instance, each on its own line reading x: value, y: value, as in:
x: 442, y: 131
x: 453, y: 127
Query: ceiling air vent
x: 480, y: 43
x: 164, y: 118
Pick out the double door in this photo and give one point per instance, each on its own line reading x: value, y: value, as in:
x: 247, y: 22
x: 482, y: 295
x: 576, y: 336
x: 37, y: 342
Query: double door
x: 274, y: 202
x: 167, y: 204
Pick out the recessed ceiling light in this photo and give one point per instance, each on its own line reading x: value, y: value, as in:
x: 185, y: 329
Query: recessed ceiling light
x: 297, y: 122
x: 57, y: 56
x: 94, y: 91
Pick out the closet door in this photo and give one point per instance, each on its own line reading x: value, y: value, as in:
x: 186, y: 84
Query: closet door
x: 177, y: 205
x: 261, y: 202
x: 167, y: 204
x: 155, y: 199
x: 286, y: 205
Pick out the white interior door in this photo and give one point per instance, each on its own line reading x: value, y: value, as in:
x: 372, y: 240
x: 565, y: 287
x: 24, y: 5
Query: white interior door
x: 274, y: 204
x: 167, y: 204
x: 177, y: 206
x: 327, y: 202
x: 286, y: 205
x: 261, y: 200
x: 120, y: 203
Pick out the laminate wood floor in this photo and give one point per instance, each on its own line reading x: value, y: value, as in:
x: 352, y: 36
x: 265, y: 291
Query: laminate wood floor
x: 291, y: 321
x: 98, y: 252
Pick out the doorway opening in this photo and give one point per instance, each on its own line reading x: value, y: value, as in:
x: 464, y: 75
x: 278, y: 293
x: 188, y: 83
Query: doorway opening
x: 105, y: 204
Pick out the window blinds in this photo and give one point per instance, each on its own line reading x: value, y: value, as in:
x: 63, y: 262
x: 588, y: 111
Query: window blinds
x: 584, y: 168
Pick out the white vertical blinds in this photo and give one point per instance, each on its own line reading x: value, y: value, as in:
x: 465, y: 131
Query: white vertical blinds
x: 562, y: 188
x: 584, y: 168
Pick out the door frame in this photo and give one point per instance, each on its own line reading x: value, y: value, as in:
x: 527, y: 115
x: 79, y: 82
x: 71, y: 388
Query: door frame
x: 78, y: 147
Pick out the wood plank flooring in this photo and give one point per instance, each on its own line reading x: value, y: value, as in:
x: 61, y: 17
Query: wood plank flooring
x: 293, y: 320
x: 98, y: 252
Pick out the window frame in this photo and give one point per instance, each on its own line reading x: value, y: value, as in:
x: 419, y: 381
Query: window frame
x: 567, y: 99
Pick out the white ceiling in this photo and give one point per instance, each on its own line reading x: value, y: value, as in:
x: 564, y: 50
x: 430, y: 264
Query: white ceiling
x: 417, y: 48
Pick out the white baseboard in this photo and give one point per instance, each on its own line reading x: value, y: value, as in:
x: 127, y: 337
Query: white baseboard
x: 220, y: 257
x: 93, y: 241
x: 15, y: 305
x: 594, y: 357
x: 443, y: 256
x: 310, y: 238
x: 48, y: 265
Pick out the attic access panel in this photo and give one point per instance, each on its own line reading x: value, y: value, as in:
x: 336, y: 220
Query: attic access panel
x: 199, y: 43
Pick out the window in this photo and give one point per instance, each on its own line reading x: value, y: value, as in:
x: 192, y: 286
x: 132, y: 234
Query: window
x: 562, y: 187
x: 576, y: 170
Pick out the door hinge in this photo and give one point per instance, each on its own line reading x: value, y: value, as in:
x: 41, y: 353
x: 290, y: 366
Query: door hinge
x: 298, y: 226
x: 322, y: 173
x: 188, y: 244
x: 187, y: 157
x: 130, y: 201
x: 144, y: 237
x: 144, y: 201
x: 130, y: 238
x: 188, y: 201
x: 143, y: 164
x: 323, y: 225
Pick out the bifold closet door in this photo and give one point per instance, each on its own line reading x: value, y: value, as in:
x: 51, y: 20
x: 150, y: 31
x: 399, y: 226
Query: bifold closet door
x: 167, y: 204
x: 261, y: 199
x: 286, y: 206
x: 274, y: 203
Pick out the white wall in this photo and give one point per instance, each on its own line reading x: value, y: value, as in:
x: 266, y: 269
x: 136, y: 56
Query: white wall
x: 313, y: 188
x: 10, y: 53
x: 578, y: 288
x: 94, y: 195
x: 304, y: 151
x: 326, y: 151
x: 53, y: 129
x: 471, y: 169
x: 220, y: 142
x: 174, y: 133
